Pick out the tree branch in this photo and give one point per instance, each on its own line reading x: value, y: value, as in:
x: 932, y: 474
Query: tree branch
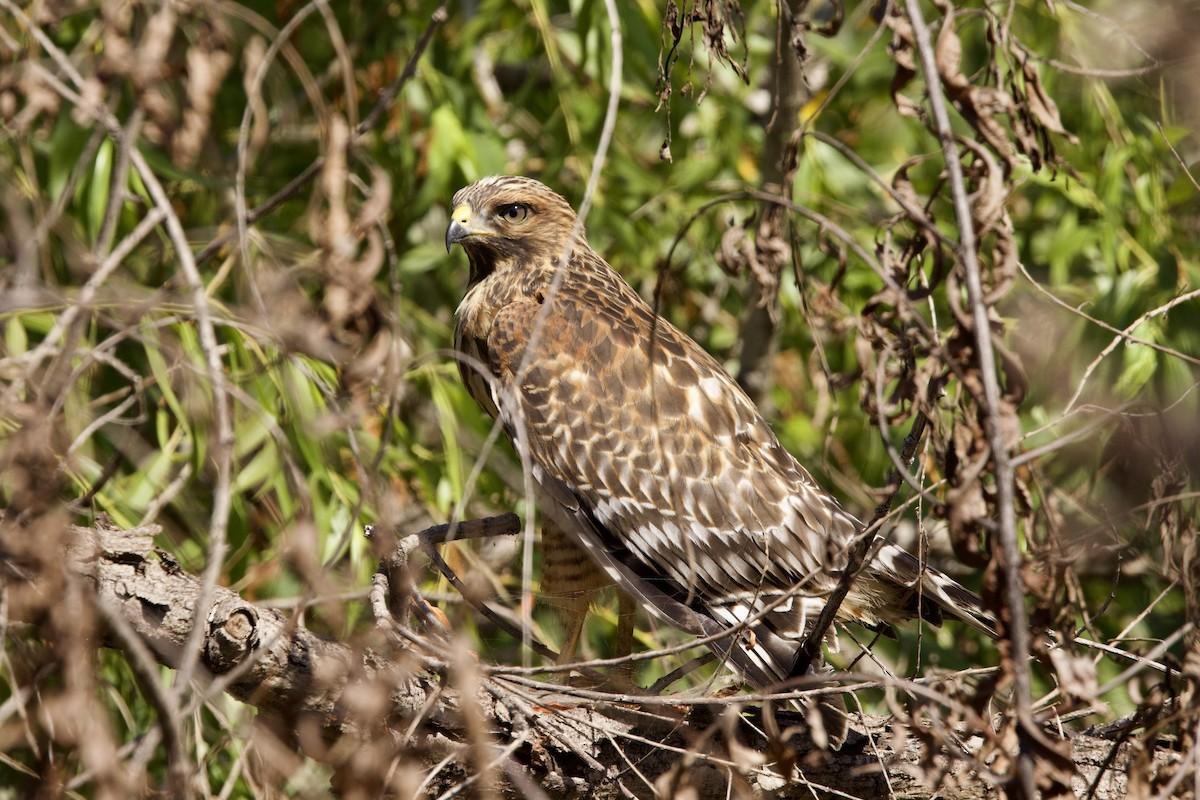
x: 401, y: 696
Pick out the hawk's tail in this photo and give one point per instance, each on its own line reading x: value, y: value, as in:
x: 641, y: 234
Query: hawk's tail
x: 895, y: 587
x: 935, y: 590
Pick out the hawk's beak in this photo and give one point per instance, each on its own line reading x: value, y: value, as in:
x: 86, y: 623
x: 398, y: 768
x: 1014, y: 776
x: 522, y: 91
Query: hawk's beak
x: 461, y: 226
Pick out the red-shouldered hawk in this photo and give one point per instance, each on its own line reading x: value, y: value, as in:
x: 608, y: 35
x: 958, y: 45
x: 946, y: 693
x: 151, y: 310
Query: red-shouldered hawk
x: 649, y: 455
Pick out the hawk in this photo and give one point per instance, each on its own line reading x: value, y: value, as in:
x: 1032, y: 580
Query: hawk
x: 649, y: 456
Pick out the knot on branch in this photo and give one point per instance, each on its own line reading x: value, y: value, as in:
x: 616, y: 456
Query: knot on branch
x: 233, y: 635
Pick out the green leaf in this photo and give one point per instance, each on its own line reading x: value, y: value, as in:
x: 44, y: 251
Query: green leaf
x: 99, y: 193
x: 1139, y: 362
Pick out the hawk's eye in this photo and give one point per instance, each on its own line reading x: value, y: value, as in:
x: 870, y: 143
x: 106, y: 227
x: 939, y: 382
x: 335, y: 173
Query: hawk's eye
x: 512, y: 212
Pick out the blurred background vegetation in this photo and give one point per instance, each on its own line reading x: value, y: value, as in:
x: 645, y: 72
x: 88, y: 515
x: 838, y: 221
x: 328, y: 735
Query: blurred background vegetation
x: 333, y: 308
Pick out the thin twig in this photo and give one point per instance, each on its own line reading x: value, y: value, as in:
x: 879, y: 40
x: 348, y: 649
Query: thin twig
x: 388, y: 95
x: 1142, y: 662
x: 679, y: 672
x: 65, y: 321
x: 117, y: 181
x: 253, y: 100
x: 1010, y: 554
x: 1124, y: 335
x: 169, y: 717
x: 293, y: 187
x: 503, y: 525
x: 914, y: 213
x: 1182, y: 164
x: 860, y: 555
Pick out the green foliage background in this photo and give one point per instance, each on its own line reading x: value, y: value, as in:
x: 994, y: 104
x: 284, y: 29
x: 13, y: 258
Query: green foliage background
x: 322, y: 446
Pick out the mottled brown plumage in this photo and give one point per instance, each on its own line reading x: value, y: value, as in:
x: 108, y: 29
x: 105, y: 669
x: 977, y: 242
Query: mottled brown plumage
x: 648, y: 453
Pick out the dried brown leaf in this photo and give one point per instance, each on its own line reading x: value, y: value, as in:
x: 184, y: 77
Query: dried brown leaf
x: 1076, y: 675
x: 1041, y: 105
x: 948, y: 57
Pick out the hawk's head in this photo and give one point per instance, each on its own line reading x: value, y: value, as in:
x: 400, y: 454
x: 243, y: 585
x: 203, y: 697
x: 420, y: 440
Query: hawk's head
x: 505, y: 221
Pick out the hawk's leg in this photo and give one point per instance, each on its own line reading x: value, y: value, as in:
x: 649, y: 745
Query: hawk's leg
x: 626, y: 616
x: 571, y: 582
x: 573, y: 613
